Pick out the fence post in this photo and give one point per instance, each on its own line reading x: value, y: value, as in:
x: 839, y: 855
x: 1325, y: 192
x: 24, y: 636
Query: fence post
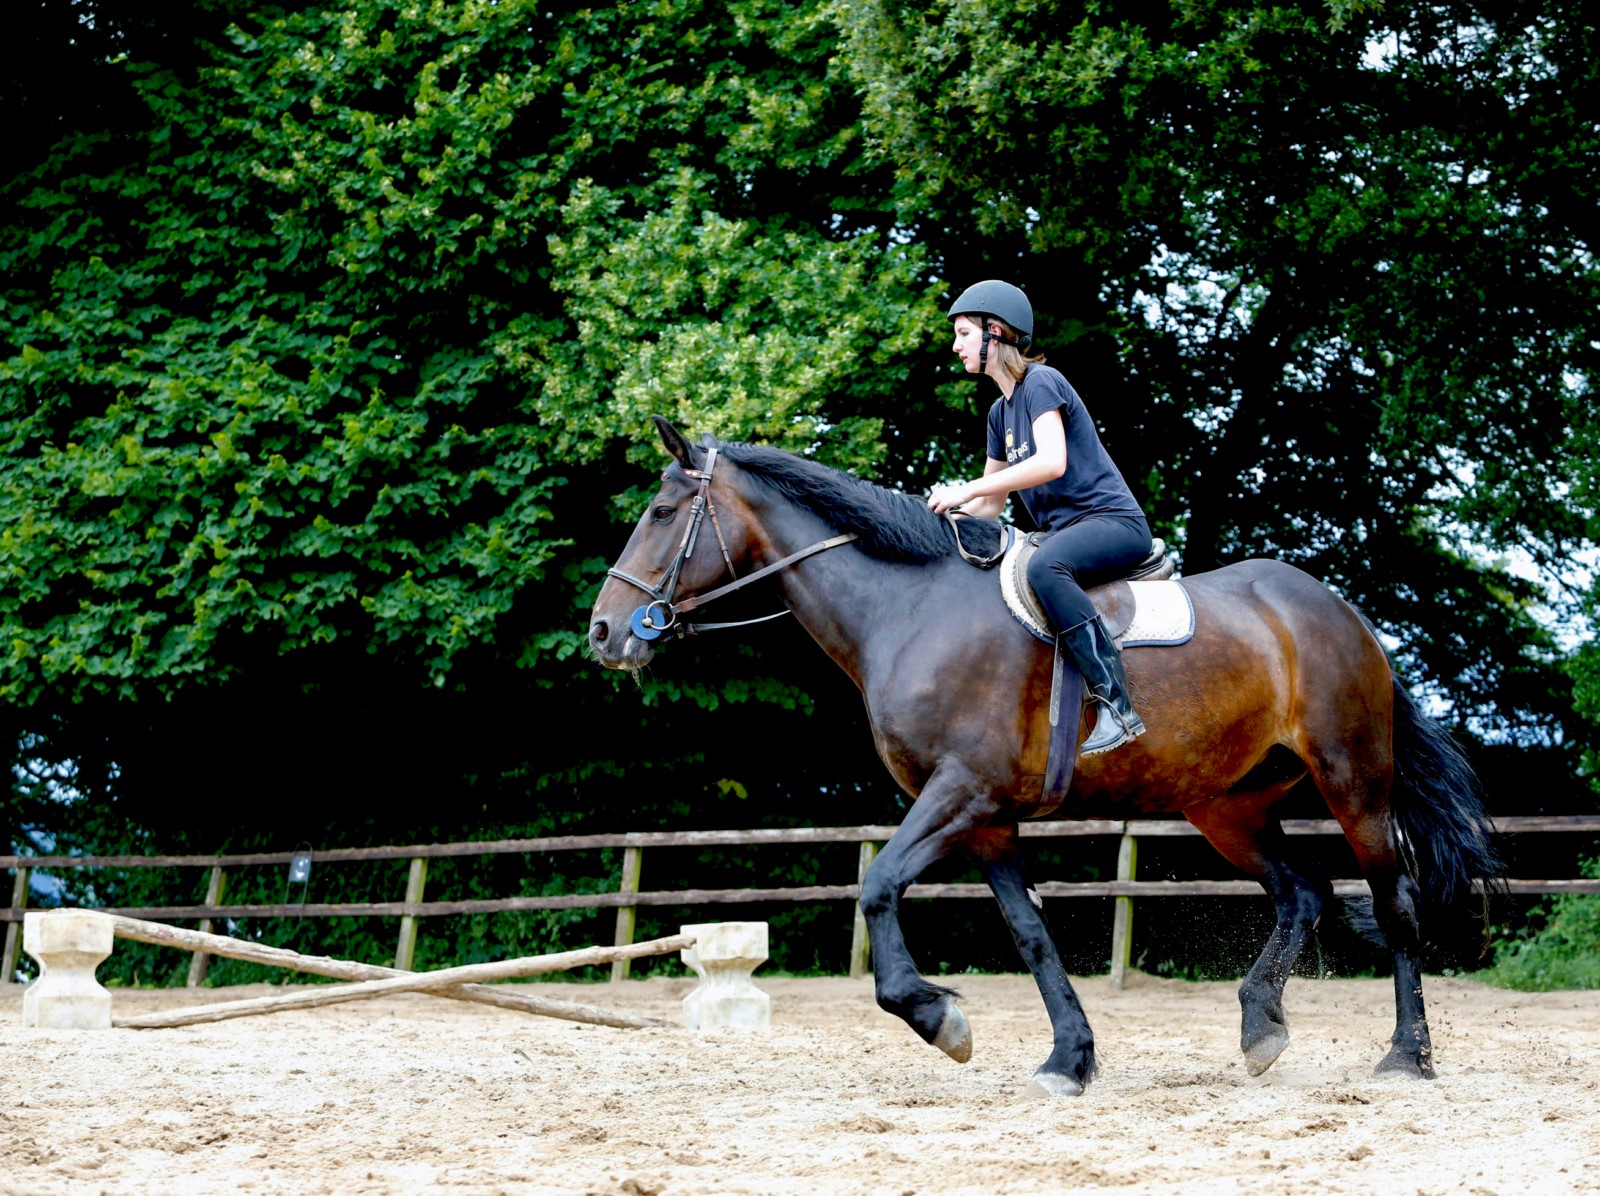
x: 405, y: 951
x: 627, y: 915
x: 860, y: 942
x: 1122, y: 912
x: 200, y: 961
x: 19, y: 902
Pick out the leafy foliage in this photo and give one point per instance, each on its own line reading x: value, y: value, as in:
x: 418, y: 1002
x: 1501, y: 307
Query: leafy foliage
x: 306, y: 361
x: 1335, y: 253
x: 328, y: 338
x: 1556, y: 949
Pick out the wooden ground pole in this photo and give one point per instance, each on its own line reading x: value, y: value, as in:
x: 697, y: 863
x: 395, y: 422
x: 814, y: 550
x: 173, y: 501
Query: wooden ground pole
x: 343, y: 969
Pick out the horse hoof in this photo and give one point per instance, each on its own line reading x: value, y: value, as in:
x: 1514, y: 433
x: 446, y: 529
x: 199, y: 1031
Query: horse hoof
x: 1401, y: 1063
x: 1259, y: 1056
x: 1051, y: 1084
x: 955, y: 1036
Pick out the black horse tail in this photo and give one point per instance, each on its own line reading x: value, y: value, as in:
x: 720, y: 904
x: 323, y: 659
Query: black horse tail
x: 1446, y: 836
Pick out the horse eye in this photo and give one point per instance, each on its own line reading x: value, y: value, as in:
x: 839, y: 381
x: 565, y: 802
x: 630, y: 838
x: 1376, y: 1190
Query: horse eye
x: 664, y: 514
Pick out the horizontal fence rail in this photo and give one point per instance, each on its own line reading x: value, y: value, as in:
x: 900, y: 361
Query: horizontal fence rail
x: 1142, y: 828
x: 629, y: 897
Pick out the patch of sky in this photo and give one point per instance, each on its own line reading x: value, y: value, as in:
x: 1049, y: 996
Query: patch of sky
x: 56, y: 780
x: 1563, y: 573
x: 1465, y: 46
x: 1384, y: 53
x: 1195, y: 304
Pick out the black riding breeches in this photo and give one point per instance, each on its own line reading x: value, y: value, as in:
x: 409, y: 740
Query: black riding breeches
x: 1097, y: 549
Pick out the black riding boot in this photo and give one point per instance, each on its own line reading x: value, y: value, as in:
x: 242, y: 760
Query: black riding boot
x: 1096, y: 655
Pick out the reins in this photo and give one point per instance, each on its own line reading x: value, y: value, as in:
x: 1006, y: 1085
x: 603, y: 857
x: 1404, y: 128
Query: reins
x: 644, y: 623
x: 1007, y: 534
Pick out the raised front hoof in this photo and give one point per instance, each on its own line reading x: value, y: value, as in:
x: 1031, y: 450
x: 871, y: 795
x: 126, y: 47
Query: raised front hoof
x: 1406, y: 1062
x: 954, y: 1036
x: 1264, y: 1052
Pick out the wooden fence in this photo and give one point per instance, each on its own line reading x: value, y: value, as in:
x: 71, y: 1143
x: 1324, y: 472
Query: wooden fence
x: 629, y: 897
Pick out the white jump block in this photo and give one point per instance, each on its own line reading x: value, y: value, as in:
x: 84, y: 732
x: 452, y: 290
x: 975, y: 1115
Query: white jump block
x: 69, y: 944
x: 724, y: 956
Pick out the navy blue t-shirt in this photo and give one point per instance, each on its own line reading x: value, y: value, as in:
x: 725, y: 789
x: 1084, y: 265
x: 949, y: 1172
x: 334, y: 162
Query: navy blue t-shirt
x: 1092, y: 485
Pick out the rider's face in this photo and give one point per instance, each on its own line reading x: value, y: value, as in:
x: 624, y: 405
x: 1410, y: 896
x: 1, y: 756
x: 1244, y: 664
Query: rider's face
x: 968, y: 343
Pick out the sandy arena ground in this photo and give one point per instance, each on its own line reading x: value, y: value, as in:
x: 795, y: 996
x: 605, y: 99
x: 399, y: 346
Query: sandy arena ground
x: 417, y: 1094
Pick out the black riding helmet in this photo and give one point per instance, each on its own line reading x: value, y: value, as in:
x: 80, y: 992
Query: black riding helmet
x: 1002, y: 301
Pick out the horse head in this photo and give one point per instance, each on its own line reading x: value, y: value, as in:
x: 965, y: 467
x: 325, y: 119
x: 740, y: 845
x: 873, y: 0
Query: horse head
x: 692, y: 535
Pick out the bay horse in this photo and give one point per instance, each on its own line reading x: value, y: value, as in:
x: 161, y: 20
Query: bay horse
x: 1282, y: 680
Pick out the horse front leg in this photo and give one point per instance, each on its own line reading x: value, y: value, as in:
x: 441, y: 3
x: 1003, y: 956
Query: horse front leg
x: 950, y: 807
x: 1071, y: 1064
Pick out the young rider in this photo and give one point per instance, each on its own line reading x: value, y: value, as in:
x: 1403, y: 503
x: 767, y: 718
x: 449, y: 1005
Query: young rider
x: 1044, y: 447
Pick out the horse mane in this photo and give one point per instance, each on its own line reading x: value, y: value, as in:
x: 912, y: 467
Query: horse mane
x: 890, y: 524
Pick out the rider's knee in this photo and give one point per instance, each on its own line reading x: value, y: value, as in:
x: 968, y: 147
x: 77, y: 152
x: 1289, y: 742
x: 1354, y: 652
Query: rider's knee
x: 1042, y: 570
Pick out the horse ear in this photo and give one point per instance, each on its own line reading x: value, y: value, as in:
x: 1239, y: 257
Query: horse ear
x: 680, y: 448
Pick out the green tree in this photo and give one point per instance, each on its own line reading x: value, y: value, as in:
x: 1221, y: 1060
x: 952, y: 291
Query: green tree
x: 325, y: 358
x: 1557, y: 947
x: 1326, y: 268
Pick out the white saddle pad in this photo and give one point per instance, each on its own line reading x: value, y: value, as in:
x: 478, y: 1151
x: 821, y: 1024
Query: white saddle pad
x: 1162, y: 615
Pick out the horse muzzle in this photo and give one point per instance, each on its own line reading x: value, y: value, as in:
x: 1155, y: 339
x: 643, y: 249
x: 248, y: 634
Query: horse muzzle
x: 617, y: 647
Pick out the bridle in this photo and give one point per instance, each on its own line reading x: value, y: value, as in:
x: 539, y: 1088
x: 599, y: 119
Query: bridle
x: 643, y: 622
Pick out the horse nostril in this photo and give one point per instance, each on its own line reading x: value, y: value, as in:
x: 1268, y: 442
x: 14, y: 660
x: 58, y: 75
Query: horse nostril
x: 599, y: 631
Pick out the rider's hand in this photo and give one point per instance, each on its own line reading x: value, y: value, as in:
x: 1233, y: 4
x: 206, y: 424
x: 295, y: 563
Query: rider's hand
x: 947, y: 498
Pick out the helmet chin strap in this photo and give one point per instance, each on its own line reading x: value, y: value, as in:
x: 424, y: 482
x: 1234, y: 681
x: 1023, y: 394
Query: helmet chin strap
x: 983, y: 349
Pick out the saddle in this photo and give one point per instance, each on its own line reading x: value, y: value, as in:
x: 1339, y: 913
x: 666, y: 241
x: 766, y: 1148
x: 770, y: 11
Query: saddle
x: 1158, y: 612
x: 1115, y: 600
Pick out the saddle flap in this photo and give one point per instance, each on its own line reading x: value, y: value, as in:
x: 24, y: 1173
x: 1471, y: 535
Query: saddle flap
x: 1116, y: 605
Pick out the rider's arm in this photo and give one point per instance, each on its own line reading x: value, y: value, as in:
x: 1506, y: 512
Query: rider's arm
x: 986, y: 496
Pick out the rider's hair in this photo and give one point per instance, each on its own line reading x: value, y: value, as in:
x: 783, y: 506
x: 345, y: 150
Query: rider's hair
x: 1012, y: 359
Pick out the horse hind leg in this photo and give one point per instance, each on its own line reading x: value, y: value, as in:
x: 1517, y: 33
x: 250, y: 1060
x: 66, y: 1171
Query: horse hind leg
x: 1359, y: 800
x: 1243, y: 829
x: 1071, y: 1063
x: 1396, y: 897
